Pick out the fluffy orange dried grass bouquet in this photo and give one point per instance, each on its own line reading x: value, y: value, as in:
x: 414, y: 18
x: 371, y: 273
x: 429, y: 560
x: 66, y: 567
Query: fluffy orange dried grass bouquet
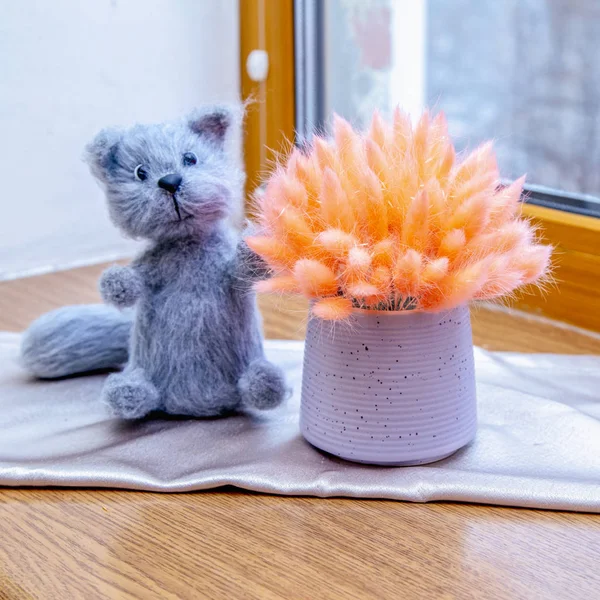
x: 390, y: 220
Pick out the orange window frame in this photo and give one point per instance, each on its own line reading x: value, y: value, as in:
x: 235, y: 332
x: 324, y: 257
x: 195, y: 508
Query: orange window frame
x: 267, y: 25
x: 574, y: 297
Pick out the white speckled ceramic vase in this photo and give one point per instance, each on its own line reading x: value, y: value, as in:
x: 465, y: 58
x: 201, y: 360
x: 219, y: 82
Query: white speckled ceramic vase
x: 390, y: 388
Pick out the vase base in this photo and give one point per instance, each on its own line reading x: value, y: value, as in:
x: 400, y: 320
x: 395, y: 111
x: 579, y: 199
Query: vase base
x: 403, y: 463
x: 396, y: 463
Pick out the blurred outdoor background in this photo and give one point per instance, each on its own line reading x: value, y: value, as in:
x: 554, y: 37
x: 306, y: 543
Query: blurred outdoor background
x: 525, y: 73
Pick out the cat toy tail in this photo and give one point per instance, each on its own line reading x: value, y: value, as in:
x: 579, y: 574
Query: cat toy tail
x: 77, y: 339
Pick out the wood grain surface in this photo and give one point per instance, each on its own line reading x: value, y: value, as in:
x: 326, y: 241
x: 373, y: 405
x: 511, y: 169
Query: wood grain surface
x: 71, y: 544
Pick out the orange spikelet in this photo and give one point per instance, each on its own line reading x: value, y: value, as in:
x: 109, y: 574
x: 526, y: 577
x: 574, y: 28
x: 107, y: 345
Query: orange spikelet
x: 342, y: 132
x: 272, y: 201
x: 501, y: 279
x: 402, y: 131
x: 437, y: 206
x: 361, y: 289
x: 378, y: 165
x: 438, y: 142
x: 439, y: 127
x: 332, y: 309
x: 484, y: 184
x: 309, y: 175
x: 295, y: 229
x: 532, y: 261
x: 375, y: 211
x: 480, y: 161
x: 472, y: 216
x: 294, y: 160
x: 421, y: 135
x: 515, y: 233
x: 404, y: 185
x: 337, y: 242
x: 294, y: 192
x: 464, y: 284
x: 348, y: 144
x: 315, y: 279
x: 378, y: 133
x: 435, y: 270
x: 376, y: 160
x: 452, y: 243
x: 506, y: 203
x: 416, y: 225
x: 420, y: 144
x: 504, y: 240
x: 446, y: 164
x: 335, y: 209
x: 407, y: 273
x: 383, y: 253
x: 359, y: 261
x: 279, y: 283
x: 381, y: 278
x: 324, y: 154
x: 431, y: 299
x: 272, y: 250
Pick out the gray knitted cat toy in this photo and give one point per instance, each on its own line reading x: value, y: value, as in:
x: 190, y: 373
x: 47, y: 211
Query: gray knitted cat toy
x: 195, y: 347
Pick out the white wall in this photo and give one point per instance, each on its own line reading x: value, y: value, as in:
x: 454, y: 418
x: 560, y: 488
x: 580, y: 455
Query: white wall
x: 69, y: 68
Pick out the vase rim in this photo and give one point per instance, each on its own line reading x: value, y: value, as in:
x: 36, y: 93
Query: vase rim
x: 404, y: 313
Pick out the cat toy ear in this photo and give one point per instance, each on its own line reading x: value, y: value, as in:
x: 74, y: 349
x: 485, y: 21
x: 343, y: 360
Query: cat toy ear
x: 213, y: 122
x: 101, y: 152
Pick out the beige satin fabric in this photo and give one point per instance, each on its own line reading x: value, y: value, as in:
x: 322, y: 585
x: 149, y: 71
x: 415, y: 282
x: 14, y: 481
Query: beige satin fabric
x: 538, y: 443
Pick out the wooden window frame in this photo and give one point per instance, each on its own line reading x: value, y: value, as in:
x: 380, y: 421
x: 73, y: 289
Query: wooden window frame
x: 573, y: 297
x: 270, y: 117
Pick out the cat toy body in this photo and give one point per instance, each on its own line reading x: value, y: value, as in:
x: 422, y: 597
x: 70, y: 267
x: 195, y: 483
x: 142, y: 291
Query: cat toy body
x: 194, y: 340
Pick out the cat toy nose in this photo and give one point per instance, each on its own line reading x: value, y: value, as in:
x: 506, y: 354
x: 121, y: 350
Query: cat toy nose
x: 170, y: 182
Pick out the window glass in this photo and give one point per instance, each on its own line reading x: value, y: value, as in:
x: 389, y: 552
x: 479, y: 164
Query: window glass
x: 525, y: 73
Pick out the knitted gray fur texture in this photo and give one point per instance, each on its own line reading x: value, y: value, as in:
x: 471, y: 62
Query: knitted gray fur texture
x: 194, y: 334
x: 77, y: 339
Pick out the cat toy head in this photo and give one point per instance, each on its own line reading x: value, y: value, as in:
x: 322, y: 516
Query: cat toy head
x: 171, y: 179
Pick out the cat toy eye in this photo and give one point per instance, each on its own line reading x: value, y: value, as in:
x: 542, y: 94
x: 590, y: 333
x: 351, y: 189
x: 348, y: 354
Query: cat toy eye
x: 189, y: 159
x: 140, y: 173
